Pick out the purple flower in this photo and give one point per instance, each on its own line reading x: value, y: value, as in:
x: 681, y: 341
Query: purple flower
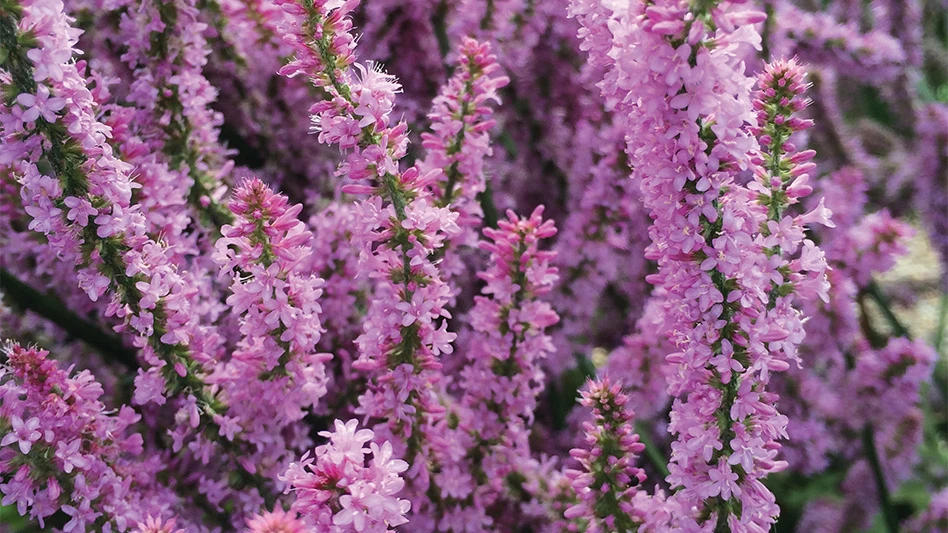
x: 40, y: 105
x: 22, y: 433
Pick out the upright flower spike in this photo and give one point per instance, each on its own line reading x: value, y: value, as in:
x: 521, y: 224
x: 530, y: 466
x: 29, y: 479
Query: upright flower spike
x: 263, y: 251
x: 608, y: 479
x: 459, y: 140
x: 676, y: 80
x: 781, y: 181
x: 275, y: 373
x: 600, y: 250
x: 781, y: 174
x: 340, y: 490
x: 167, y: 50
x: 402, y: 230
x: 79, y: 196
x: 932, y: 186
x: 503, y: 376
x: 62, y: 450
x: 344, y: 301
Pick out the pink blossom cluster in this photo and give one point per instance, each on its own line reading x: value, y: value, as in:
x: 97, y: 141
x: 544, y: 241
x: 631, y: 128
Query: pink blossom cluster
x: 721, y: 251
x: 609, y: 479
x: 274, y: 373
x: 460, y: 266
x: 502, y: 378
x: 63, y: 451
x: 338, y: 489
x: 459, y: 140
x: 819, y: 38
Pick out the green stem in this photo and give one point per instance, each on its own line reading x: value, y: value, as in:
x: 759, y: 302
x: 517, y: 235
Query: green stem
x: 874, y: 292
x: 942, y: 324
x: 49, y: 306
x: 652, y: 453
x: 486, y: 199
x: 885, y: 500
x: 439, y: 24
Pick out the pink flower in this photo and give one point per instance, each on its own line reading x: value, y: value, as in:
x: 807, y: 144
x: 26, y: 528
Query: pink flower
x: 722, y: 481
x: 22, y: 433
x: 79, y: 210
x: 40, y: 105
x: 347, y: 441
x: 278, y: 521
x: 157, y: 525
x: 70, y: 455
x: 338, y: 489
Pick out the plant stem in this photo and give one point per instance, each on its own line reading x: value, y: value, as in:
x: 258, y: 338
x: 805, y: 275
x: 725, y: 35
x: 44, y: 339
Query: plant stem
x: 874, y: 292
x: 652, y: 453
x: 885, y: 501
x: 50, y: 307
x: 942, y: 324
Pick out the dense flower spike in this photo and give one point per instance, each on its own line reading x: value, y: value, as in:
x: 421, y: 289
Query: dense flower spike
x: 166, y: 50
x: 796, y: 265
x: 401, y: 230
x: 731, y: 327
x: 275, y: 373
x: 459, y: 140
x: 601, y: 250
x: 339, y: 489
x: 932, y: 176
x: 741, y: 218
x: 63, y: 451
x: 608, y: 480
x: 78, y: 195
x: 818, y: 38
x: 503, y: 377
x: 503, y: 372
x: 263, y: 251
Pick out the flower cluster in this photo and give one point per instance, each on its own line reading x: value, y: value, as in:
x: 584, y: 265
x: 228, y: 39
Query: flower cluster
x: 274, y: 372
x: 609, y: 479
x: 601, y: 249
x: 503, y: 378
x: 721, y: 252
x: 79, y: 194
x: 338, y: 489
x: 62, y: 451
x: 459, y: 140
x: 818, y: 38
x: 571, y: 265
x: 178, y: 150
x: 278, y: 521
x: 401, y: 230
